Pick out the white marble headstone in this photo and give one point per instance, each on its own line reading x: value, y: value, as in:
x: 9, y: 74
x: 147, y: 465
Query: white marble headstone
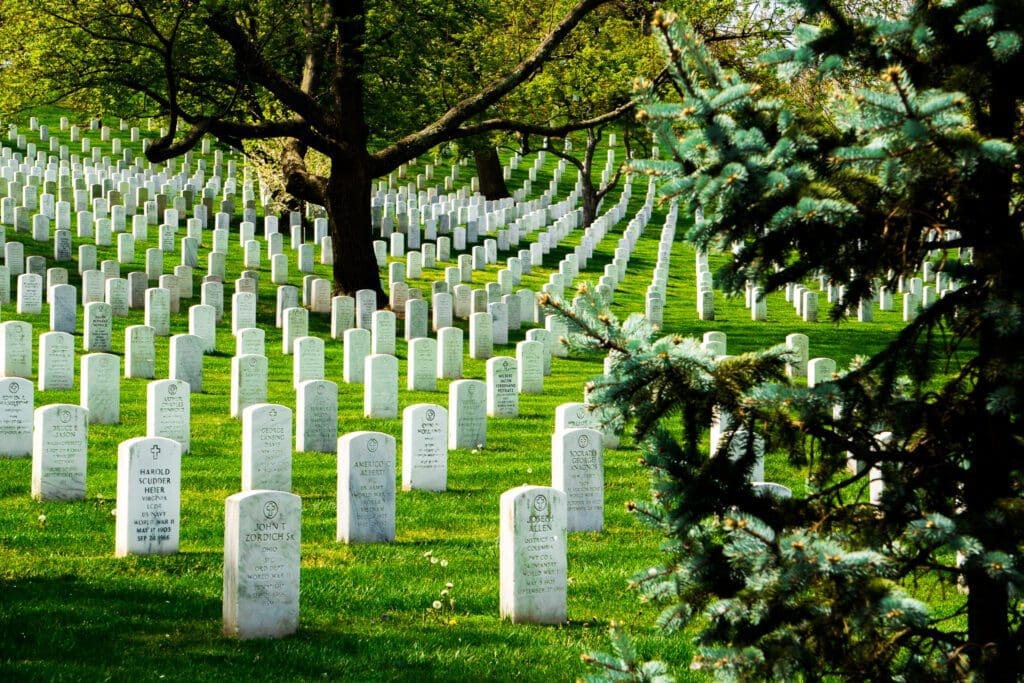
x: 101, y: 387
x: 424, y: 447
x: 366, y: 488
x: 16, y: 404
x: 467, y: 414
x: 169, y: 411
x: 267, y: 447
x: 533, y: 564
x: 502, y: 387
x: 262, y: 541
x: 577, y: 468
x: 59, y: 446
x: 148, y: 496
x: 248, y: 382
x: 316, y: 422
x: 56, y: 361
x: 380, y: 386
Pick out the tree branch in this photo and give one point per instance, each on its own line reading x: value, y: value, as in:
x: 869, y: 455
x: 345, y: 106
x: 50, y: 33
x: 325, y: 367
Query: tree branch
x: 448, y: 126
x: 299, y: 182
x: 540, y: 129
x: 263, y: 73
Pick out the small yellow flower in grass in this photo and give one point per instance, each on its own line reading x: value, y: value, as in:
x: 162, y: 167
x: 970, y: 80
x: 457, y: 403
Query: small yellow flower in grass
x: 428, y: 553
x: 444, y: 563
x: 42, y: 519
x: 437, y: 604
x: 445, y: 593
x: 449, y: 585
x: 433, y: 560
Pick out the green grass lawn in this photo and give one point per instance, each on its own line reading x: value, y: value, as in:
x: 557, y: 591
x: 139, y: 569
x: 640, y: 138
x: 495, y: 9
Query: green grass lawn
x: 70, y: 611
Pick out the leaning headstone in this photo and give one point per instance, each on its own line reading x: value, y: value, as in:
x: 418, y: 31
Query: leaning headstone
x: 56, y: 361
x: 467, y: 414
x: 101, y: 387
x: 267, y: 447
x: 577, y: 468
x: 316, y: 408
x: 502, y: 387
x: 148, y: 496
x: 16, y: 403
x: 366, y: 488
x: 424, y: 448
x: 533, y: 565
x: 169, y: 411
x: 262, y: 537
x: 59, y: 448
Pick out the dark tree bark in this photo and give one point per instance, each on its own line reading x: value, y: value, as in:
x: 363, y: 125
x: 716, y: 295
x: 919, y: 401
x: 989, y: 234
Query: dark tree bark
x: 990, y: 477
x: 489, y: 172
x: 355, y: 264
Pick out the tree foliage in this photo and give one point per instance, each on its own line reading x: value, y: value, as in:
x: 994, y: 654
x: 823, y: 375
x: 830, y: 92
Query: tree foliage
x: 913, y: 157
x: 370, y: 85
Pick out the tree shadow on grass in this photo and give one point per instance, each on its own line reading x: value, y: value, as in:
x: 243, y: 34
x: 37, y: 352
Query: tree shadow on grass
x: 74, y: 628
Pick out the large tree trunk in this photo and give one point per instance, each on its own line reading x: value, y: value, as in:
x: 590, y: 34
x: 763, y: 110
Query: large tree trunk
x: 348, y: 187
x: 348, y: 214
x: 990, y: 476
x: 588, y: 194
x: 489, y: 172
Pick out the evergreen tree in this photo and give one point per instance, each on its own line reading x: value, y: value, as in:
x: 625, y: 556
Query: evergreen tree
x: 919, y: 161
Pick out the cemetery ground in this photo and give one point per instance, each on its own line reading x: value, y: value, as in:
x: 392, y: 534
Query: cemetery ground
x: 70, y: 610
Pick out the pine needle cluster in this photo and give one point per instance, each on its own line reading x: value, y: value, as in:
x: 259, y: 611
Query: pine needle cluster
x: 914, y: 458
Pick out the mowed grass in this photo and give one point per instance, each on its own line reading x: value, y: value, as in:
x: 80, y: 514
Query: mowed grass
x: 71, y: 611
